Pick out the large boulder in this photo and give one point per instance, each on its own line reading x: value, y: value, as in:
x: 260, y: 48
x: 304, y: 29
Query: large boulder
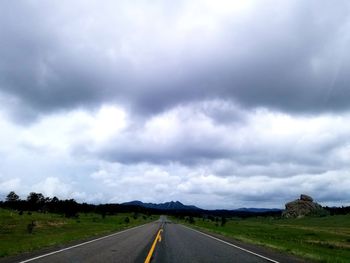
x: 306, y: 198
x: 302, y: 207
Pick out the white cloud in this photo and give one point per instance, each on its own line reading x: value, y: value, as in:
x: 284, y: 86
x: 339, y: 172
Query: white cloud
x: 108, y: 121
x: 52, y: 186
x: 59, y: 132
x: 9, y: 185
x: 216, y: 103
x: 264, y: 159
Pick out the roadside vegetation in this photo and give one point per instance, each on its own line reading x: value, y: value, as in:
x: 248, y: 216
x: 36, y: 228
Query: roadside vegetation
x: 318, y: 239
x: 23, y: 231
x: 38, y: 222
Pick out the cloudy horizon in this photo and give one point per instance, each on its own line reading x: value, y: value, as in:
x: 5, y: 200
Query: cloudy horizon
x: 218, y: 104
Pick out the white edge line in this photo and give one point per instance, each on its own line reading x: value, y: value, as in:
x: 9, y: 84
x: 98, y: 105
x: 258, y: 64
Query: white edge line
x: 232, y: 245
x: 81, y: 244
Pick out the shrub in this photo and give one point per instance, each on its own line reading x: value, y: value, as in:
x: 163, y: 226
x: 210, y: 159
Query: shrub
x: 191, y: 220
x: 30, y: 227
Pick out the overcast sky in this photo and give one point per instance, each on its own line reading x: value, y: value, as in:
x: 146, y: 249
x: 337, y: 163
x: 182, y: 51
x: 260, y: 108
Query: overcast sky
x: 219, y: 104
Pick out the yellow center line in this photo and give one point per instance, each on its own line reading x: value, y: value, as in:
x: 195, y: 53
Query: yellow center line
x: 150, y: 253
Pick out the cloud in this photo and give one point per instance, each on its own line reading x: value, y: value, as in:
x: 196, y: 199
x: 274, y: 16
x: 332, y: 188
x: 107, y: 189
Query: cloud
x: 208, y: 190
x: 142, y: 181
x: 10, y: 185
x: 151, y: 58
x: 52, y: 186
x: 106, y: 156
x: 216, y: 103
x: 190, y: 135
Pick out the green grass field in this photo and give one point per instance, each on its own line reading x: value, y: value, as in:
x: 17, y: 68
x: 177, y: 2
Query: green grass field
x: 53, y: 229
x: 319, y: 239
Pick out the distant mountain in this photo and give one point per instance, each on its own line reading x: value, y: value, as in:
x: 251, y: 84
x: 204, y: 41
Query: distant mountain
x: 164, y: 206
x: 172, y: 206
x: 257, y: 210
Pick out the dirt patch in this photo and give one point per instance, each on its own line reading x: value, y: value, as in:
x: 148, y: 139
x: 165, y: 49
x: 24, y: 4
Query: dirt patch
x: 328, y: 244
x: 334, y: 231
x: 40, y: 224
x: 56, y: 223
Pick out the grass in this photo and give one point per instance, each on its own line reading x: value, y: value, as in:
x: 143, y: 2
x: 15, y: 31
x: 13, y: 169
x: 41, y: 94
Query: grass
x: 319, y: 239
x: 54, y: 229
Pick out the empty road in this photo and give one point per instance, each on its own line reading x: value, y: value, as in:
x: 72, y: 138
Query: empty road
x: 127, y: 246
x: 178, y: 244
x: 182, y: 244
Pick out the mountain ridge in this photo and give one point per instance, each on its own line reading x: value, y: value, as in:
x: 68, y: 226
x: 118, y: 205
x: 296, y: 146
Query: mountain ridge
x: 172, y: 205
x: 177, y: 205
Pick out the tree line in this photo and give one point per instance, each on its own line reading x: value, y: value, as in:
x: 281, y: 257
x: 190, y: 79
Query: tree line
x: 68, y: 207
x: 39, y: 203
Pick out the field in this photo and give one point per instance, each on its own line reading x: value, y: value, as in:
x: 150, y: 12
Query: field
x: 54, y: 229
x: 318, y: 239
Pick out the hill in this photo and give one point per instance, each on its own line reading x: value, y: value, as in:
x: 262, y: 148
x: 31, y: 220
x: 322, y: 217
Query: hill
x: 163, y: 206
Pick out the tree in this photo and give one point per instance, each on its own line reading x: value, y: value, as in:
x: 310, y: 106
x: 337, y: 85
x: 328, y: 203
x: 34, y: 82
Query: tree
x: 12, y: 200
x: 35, y: 198
x: 12, y: 197
x: 54, y: 200
x: 53, y: 205
x: 70, y: 208
x: 35, y: 201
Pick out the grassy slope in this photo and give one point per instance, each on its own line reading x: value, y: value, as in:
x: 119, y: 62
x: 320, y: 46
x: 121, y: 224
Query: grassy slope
x: 53, y: 229
x: 322, y: 239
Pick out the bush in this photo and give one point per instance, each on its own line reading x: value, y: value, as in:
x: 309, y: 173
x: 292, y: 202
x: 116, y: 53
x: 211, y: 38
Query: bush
x: 30, y: 227
x: 191, y: 220
x: 319, y: 213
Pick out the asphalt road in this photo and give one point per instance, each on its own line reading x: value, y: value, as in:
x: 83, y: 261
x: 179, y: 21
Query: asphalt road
x: 181, y: 244
x: 129, y: 246
x: 178, y: 244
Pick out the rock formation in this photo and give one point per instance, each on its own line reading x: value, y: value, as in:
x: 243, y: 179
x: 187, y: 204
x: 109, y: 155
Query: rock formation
x: 301, y: 207
x: 306, y: 198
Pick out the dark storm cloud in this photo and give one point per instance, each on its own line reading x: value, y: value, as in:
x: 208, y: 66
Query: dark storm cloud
x: 45, y: 71
x: 206, y: 150
x: 289, y: 56
x: 186, y: 154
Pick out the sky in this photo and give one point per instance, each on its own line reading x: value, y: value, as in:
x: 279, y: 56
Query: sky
x: 218, y: 104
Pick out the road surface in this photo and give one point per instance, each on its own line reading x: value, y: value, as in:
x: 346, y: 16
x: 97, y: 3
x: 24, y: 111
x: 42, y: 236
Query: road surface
x: 178, y: 244
x: 181, y: 244
x: 127, y: 246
